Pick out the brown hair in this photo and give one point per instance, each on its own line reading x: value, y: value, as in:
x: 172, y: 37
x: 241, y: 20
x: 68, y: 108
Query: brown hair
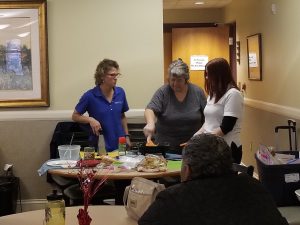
x: 218, y: 78
x: 103, y: 67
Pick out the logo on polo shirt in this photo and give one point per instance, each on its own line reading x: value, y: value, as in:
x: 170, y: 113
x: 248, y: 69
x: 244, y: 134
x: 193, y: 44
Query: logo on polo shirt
x: 118, y: 102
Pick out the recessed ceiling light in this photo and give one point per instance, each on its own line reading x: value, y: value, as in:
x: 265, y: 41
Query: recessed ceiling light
x: 199, y: 3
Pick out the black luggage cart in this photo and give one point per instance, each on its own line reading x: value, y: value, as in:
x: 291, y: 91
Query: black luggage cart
x: 282, y: 180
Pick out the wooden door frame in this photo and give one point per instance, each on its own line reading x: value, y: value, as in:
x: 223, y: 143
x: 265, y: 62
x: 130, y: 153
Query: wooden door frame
x: 167, y: 27
x: 232, y: 49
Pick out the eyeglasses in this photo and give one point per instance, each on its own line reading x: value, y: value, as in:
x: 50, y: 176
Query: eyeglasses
x: 177, y: 79
x: 114, y: 75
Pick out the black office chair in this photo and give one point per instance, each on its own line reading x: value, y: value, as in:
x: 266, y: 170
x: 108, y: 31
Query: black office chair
x: 238, y: 168
x: 62, y: 135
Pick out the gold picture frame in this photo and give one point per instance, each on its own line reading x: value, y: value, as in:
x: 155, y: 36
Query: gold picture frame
x: 254, y: 56
x: 24, y: 78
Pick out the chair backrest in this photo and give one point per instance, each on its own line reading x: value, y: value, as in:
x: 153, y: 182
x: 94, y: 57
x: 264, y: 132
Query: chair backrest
x: 137, y: 136
x: 243, y: 169
x: 63, y: 134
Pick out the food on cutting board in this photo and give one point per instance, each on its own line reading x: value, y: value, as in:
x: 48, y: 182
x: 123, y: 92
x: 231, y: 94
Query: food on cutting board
x: 152, y: 163
x: 107, y: 160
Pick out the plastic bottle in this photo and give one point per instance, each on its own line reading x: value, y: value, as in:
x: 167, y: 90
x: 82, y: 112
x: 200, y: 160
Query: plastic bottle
x: 122, y: 146
x: 101, y: 145
x: 55, y: 209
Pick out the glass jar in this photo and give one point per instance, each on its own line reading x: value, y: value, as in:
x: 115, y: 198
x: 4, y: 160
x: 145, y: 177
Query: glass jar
x: 122, y: 146
x: 55, y: 209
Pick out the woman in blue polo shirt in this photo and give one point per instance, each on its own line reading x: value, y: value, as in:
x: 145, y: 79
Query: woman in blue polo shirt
x: 106, y: 105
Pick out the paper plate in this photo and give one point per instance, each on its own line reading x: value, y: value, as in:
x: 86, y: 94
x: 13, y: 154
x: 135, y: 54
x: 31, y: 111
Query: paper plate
x: 62, y: 163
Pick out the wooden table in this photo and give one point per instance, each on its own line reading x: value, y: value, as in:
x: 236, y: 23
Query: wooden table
x: 291, y: 213
x: 174, y: 168
x: 107, y: 215
x: 122, y: 178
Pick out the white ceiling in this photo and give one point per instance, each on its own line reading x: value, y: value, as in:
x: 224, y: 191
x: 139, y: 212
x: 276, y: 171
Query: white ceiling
x: 190, y: 4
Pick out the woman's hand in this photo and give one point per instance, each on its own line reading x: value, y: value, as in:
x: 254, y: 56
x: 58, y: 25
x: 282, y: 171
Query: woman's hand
x: 149, y: 130
x: 95, y: 125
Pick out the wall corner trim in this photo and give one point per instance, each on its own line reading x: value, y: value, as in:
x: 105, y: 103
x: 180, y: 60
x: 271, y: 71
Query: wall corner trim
x: 290, y: 112
x: 282, y: 110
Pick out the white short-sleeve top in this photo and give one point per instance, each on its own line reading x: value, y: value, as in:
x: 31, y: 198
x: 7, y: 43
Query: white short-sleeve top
x: 231, y: 104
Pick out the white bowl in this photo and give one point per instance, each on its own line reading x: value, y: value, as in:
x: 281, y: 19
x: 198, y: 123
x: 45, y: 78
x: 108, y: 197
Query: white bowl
x: 69, y: 152
x: 297, y: 192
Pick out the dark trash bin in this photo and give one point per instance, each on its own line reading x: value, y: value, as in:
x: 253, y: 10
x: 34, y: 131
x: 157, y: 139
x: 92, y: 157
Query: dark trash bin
x: 9, y: 189
x: 276, y: 179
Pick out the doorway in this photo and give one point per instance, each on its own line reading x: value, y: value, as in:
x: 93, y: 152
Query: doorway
x: 208, y: 40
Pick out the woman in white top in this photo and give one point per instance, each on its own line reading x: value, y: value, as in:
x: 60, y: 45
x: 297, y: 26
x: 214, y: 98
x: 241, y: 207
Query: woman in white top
x: 224, y: 109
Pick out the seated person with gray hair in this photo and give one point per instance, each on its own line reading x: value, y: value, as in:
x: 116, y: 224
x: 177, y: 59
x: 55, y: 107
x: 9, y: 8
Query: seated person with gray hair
x: 211, y: 193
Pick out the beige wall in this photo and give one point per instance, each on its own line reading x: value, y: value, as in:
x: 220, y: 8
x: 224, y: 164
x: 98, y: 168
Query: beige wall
x: 83, y: 32
x: 280, y: 48
x: 80, y: 34
x: 25, y: 144
x: 270, y: 102
x: 273, y: 100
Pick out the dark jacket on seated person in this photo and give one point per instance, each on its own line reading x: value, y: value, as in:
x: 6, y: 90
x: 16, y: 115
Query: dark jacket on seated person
x: 227, y: 200
x: 210, y: 193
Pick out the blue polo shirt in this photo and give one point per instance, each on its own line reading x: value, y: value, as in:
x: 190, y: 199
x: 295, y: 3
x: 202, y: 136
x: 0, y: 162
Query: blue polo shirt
x: 107, y: 113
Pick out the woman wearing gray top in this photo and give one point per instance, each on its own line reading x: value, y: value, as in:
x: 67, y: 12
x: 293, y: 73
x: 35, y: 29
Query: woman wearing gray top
x: 175, y: 111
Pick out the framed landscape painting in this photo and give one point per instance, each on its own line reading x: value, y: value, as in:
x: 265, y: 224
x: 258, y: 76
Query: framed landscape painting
x: 24, y: 75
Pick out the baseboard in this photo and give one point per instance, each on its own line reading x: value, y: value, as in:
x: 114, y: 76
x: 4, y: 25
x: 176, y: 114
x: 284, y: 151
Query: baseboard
x: 30, y: 204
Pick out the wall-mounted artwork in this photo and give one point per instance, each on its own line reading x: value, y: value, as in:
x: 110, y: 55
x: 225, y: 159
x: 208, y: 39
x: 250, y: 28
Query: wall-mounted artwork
x: 23, y: 54
x: 254, y: 57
